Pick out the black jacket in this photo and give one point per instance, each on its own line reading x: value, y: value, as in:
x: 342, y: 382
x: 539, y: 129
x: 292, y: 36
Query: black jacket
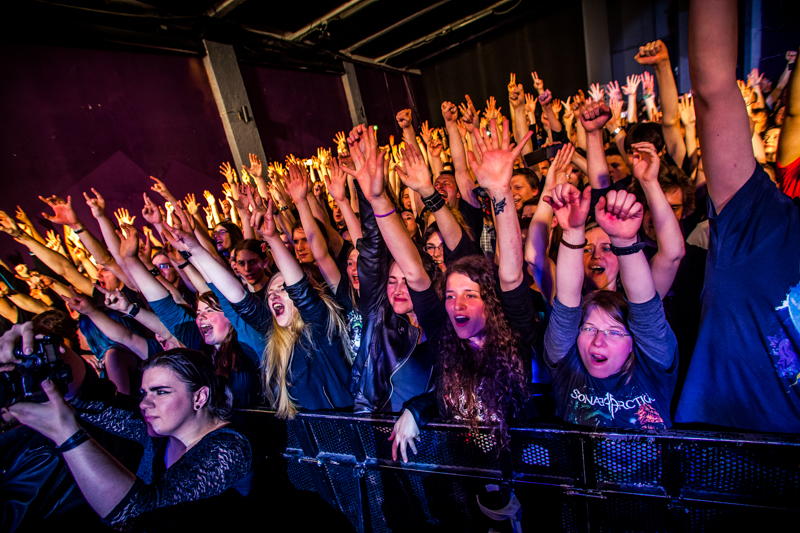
x: 387, y: 339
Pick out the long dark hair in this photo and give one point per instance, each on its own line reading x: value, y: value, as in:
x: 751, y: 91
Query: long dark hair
x: 226, y: 360
x: 196, y: 370
x: 486, y: 385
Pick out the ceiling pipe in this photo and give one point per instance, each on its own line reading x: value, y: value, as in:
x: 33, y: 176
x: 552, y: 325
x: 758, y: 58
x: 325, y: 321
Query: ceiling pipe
x: 394, y: 26
x: 220, y: 9
x: 442, y: 31
x: 341, y: 12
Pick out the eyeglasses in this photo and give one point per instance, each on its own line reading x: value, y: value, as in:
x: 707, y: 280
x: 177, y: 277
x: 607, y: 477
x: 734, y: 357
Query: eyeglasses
x: 219, y: 232
x: 164, y: 266
x: 433, y: 248
x: 609, y: 333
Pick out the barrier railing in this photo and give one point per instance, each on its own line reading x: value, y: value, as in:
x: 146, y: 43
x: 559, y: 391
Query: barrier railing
x: 571, y: 480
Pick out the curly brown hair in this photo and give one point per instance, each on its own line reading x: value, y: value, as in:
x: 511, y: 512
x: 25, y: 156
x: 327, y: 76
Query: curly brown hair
x: 486, y: 385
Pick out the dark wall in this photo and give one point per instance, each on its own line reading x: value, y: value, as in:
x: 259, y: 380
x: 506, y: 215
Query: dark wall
x: 297, y: 111
x: 76, y: 118
x: 551, y: 44
x: 384, y: 94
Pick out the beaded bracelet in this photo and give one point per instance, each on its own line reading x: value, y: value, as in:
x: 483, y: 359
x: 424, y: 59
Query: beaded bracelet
x: 574, y: 246
x: 74, y: 441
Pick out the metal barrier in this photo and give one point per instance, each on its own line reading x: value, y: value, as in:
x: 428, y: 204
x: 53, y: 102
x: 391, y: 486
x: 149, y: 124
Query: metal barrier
x: 570, y: 480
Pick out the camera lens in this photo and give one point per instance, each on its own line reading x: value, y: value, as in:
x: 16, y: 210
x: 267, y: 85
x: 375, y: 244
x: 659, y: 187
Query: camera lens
x: 11, y: 390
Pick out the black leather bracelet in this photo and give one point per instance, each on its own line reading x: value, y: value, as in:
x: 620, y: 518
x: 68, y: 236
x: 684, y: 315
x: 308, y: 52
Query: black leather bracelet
x: 134, y: 310
x: 80, y: 230
x: 574, y: 246
x: 74, y: 441
x: 184, y: 265
x: 434, y: 202
x: 186, y: 255
x: 154, y: 271
x: 628, y: 250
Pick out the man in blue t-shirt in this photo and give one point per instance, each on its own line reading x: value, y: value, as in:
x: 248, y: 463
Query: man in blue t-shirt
x: 745, y: 370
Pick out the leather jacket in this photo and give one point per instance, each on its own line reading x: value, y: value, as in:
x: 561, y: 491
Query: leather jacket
x: 387, y: 339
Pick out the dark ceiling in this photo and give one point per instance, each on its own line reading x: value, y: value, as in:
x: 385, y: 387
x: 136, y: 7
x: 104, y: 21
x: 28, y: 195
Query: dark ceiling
x: 307, y: 34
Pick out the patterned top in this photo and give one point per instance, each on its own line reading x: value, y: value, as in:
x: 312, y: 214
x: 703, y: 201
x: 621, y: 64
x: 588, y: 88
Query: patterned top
x: 219, y: 462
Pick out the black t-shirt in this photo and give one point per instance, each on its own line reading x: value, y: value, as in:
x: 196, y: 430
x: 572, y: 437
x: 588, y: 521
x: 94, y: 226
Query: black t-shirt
x: 473, y: 216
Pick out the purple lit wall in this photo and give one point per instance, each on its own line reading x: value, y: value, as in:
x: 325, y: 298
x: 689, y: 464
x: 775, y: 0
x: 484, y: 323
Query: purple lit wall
x: 76, y: 118
x: 297, y: 111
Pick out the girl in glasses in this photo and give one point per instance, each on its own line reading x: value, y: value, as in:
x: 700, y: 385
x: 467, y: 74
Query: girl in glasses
x: 613, y: 360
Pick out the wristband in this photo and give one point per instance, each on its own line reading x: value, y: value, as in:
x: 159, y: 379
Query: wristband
x: 74, y: 441
x: 648, y: 96
x: 284, y: 208
x: 387, y: 214
x: 134, y: 310
x: 434, y: 202
x: 628, y: 250
x: 187, y: 263
x: 80, y: 230
x: 616, y: 131
x: 186, y: 255
x: 574, y: 246
x: 154, y: 271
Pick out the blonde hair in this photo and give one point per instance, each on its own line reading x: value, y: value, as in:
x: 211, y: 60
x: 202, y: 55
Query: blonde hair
x: 281, y: 343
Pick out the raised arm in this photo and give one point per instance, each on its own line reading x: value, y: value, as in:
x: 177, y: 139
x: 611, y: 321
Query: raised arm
x: 298, y: 186
x: 148, y: 285
x: 335, y: 182
x: 494, y: 175
x: 571, y: 208
x: 665, y: 262
x: 630, y: 89
x: 789, y: 144
x: 539, y: 231
x: 370, y: 177
x: 57, y: 262
x: 620, y: 216
x: 656, y: 55
x: 594, y: 116
x: 464, y: 180
x: 404, y: 121
x: 722, y: 121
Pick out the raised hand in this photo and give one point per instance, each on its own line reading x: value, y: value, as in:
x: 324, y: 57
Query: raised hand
x: 404, y: 118
x: 596, y: 92
x: 467, y: 117
x: 369, y: 162
x: 632, y: 86
x: 491, y: 109
x: 530, y: 104
x: 557, y: 173
x: 161, y: 189
x: 538, y: 84
x: 652, y: 53
x: 686, y: 109
x: 619, y: 214
x: 264, y: 221
x: 228, y: 171
x: 123, y: 217
x: 645, y: 162
x: 747, y: 93
x: 614, y: 92
x: 191, y: 204
x: 436, y: 147
x: 209, y: 198
x: 449, y: 112
x: 648, y: 84
x: 545, y: 97
x: 616, y: 109
x: 425, y: 131
x: 341, y: 142
x: 579, y: 100
x: 256, y: 168
x: 496, y: 160
x: 336, y: 183
x: 22, y: 216
x: 568, y: 113
x: 471, y: 107
x: 52, y: 240
x: 181, y: 234
x: 415, y: 173
x: 594, y: 116
x: 515, y: 92
x: 128, y: 240
x: 96, y: 204
x: 556, y: 105
x: 79, y: 302
x: 151, y: 213
x: 115, y: 299
x: 64, y: 213
x: 570, y: 206
x: 297, y: 182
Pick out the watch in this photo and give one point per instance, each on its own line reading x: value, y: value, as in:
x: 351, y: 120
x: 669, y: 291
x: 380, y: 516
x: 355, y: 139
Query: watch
x: 628, y: 250
x: 134, y: 310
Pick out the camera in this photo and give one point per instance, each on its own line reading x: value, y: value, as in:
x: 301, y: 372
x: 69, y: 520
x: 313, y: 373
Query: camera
x: 24, y: 382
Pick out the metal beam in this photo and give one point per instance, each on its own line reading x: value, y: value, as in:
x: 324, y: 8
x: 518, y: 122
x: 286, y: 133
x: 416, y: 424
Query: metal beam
x: 233, y: 103
x: 353, y: 93
x: 394, y: 26
x: 341, y: 12
x: 220, y: 9
x: 443, y: 31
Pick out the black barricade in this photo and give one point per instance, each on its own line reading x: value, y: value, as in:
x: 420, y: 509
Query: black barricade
x: 570, y: 480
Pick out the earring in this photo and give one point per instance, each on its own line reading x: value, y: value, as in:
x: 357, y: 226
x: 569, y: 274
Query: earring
x: 197, y: 407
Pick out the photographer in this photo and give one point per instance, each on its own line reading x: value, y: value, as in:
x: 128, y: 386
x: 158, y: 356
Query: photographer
x: 183, y: 421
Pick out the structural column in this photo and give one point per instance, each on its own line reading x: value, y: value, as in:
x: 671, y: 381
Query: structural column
x: 595, y: 35
x: 353, y: 94
x: 234, y: 107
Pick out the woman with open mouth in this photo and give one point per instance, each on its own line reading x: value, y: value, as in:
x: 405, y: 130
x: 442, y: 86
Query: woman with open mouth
x: 480, y: 377
x: 614, y: 360
x: 234, y: 349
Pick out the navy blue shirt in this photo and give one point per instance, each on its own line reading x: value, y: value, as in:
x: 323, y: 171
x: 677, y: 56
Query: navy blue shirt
x: 745, y: 369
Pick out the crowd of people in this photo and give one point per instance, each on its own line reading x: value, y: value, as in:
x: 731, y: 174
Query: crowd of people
x: 614, y: 259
